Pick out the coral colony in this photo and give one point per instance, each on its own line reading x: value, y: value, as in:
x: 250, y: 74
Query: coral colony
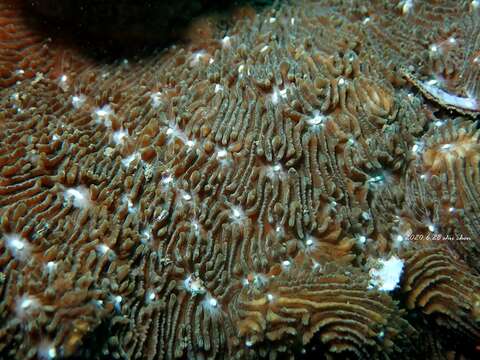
x: 292, y: 181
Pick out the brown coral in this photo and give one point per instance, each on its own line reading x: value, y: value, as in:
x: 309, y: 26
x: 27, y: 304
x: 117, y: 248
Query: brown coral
x: 227, y: 198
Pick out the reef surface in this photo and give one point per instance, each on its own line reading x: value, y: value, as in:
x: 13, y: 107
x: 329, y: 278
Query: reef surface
x: 302, y: 184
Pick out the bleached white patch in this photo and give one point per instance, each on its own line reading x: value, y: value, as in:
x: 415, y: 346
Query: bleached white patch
x: 51, y: 266
x: 452, y: 40
x: 387, y: 277
x: 150, y: 296
x: 129, y: 159
x: 78, y: 101
x: 270, y: 297
x: 63, y: 82
x: 131, y: 208
x: 434, y: 48
x: 103, y: 115
x: 47, y: 351
x: 119, y: 136
x: 361, y: 240
x: 167, y: 179
x: 197, y: 56
x: 310, y: 245
x: 418, y: 147
x: 218, y: 88
x: 263, y: 49
x: 278, y: 94
x: 318, y: 119
x: 117, y: 303
x: 286, y: 264
x: 194, y: 285
x: 272, y: 20
x: 19, y: 72
x: 366, y: 20
x: 146, y: 235
x: 292, y: 21
x: 19, y: 247
x: 80, y: 197
x: 211, y: 305
x: 341, y: 81
x: 226, y: 42
x: 400, y: 240
x: 275, y: 171
x: 25, y: 305
x: 156, y: 99
x: 105, y: 250
x: 467, y: 103
x: 447, y: 147
x: 366, y: 215
x: 376, y: 180
x: 406, y: 6
x: 237, y: 214
x: 174, y: 132
x: 15, y: 96
x: 38, y: 77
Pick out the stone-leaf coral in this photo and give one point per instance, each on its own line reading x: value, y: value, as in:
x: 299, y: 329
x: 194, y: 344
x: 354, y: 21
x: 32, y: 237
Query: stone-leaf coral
x: 236, y: 196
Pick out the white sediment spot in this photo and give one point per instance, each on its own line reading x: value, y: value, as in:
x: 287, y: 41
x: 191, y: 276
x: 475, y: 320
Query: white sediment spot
x: 51, y: 266
x: 47, y: 351
x: 275, y: 171
x: 117, y: 302
x: 194, y: 285
x: 150, y: 296
x: 278, y: 94
x: 447, y: 147
x: 407, y: 6
x: 79, y: 195
x: 418, y: 147
x: 129, y: 159
x: 156, y: 99
x: 131, y: 208
x: 197, y: 56
x: 78, y: 101
x: 105, y: 250
x: 286, y: 264
x: 226, y: 42
x: 387, y: 276
x: 63, y: 82
x: 103, y: 115
x: 19, y: 247
x: 119, y: 136
x: 237, y: 215
x: 361, y: 240
x: 318, y: 119
x: 25, y: 305
x: 211, y: 305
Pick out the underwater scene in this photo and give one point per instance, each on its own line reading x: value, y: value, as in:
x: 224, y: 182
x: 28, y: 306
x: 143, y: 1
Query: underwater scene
x: 230, y: 180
